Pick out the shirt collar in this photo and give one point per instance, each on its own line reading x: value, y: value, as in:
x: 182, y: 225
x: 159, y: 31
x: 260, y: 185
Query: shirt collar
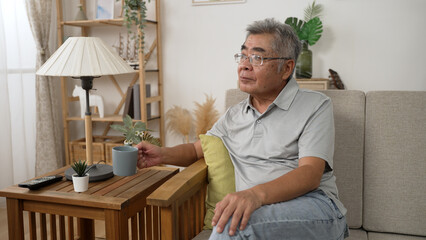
x: 287, y: 95
x: 284, y: 99
x: 248, y: 105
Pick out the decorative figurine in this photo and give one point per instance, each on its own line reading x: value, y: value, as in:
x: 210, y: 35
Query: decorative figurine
x: 95, y: 101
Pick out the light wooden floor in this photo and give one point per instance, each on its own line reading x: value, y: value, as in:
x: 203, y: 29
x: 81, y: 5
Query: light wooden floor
x: 99, y: 225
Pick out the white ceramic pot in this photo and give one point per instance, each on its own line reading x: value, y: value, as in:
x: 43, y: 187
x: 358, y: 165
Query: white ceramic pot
x: 81, y: 184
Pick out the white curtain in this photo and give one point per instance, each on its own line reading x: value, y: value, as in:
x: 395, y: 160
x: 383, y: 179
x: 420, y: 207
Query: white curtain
x: 17, y: 95
x: 49, y: 138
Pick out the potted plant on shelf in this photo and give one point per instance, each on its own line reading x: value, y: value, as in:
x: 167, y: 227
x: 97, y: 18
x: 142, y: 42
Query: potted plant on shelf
x: 80, y: 179
x: 135, y: 14
x: 309, y: 32
x: 135, y: 132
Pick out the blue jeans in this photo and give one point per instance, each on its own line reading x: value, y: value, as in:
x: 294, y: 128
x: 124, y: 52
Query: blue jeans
x: 311, y: 216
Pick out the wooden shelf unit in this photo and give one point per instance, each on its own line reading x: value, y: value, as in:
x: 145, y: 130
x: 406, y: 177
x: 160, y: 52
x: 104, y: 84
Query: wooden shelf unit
x: 108, y: 118
x: 139, y: 75
x: 99, y: 22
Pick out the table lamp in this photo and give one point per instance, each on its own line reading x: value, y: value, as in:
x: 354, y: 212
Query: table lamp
x: 85, y: 58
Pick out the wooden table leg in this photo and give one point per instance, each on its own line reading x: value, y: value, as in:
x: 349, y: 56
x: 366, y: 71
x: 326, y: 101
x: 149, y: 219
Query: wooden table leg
x: 116, y: 225
x: 15, y: 219
x: 86, y: 228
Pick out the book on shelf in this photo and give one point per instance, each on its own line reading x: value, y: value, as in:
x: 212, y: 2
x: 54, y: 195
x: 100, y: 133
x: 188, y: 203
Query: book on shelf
x: 148, y: 105
x: 128, y: 104
x: 136, y: 101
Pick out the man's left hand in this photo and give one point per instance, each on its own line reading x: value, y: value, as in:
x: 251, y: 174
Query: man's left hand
x: 239, y: 205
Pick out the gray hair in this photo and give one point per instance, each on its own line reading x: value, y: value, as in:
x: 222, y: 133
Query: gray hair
x: 285, y: 43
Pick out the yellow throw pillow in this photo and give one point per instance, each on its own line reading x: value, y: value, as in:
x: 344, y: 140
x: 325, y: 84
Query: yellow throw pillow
x: 220, y: 172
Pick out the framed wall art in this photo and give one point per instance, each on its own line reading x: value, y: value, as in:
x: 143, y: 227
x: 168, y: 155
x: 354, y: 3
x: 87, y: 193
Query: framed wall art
x: 105, y: 9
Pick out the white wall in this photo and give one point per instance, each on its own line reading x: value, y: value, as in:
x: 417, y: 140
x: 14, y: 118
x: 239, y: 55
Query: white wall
x: 372, y: 44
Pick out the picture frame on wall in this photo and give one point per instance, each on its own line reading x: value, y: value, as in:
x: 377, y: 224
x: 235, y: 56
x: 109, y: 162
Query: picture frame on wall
x: 105, y: 9
x: 118, y: 9
x: 210, y: 2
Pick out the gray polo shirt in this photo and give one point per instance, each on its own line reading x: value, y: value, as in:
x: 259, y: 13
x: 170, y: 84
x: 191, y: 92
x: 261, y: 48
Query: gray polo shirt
x: 263, y: 147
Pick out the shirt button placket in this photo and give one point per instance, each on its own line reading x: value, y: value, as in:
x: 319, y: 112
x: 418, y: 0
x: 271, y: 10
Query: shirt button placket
x: 258, y: 129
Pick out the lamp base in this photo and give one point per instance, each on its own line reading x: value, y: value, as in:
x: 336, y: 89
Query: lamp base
x: 98, y: 172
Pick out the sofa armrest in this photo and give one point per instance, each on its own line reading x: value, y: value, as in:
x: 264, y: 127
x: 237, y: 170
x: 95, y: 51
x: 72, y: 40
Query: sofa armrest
x: 181, y: 186
x: 181, y: 202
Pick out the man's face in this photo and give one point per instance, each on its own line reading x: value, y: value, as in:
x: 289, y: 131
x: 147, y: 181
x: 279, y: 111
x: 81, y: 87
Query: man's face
x: 264, y: 80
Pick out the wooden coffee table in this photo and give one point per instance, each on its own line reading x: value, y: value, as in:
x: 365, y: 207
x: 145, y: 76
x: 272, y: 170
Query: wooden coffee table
x: 115, y: 201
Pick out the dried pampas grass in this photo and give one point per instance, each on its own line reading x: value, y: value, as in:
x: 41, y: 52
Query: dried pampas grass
x: 205, y: 116
x: 179, y: 122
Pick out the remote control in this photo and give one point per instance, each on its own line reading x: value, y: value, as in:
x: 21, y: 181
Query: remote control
x: 40, y: 182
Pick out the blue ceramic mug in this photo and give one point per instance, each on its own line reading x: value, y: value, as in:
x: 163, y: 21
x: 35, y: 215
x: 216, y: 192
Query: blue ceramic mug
x: 124, y: 160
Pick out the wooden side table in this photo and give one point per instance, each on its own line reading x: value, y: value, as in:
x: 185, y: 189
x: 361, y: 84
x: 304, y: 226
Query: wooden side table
x: 313, y: 83
x: 115, y: 201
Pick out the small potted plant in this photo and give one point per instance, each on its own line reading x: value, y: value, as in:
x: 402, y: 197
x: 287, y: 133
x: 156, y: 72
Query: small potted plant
x: 80, y: 179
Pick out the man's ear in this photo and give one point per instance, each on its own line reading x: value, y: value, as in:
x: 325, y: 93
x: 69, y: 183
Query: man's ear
x: 288, y: 67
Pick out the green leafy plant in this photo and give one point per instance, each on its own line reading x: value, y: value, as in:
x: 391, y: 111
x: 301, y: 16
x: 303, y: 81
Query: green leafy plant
x: 80, y: 168
x: 309, y: 29
x: 135, y: 132
x: 312, y: 11
x: 135, y: 14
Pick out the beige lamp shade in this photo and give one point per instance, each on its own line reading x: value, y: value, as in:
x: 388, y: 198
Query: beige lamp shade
x: 84, y: 56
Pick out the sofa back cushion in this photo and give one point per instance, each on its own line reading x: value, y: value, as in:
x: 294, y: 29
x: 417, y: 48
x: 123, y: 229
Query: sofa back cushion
x: 395, y: 162
x: 234, y: 96
x: 349, y: 121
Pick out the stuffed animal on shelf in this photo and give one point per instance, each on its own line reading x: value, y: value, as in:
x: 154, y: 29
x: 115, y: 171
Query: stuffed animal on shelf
x: 94, y: 101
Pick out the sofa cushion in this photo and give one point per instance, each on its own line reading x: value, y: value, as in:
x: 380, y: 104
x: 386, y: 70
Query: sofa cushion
x: 395, y: 162
x: 220, y: 174
x: 349, y: 120
x: 203, y: 235
x: 357, y: 234
x: 389, y: 236
x: 234, y: 96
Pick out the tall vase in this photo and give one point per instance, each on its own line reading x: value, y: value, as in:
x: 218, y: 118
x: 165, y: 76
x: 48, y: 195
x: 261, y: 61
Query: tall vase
x: 304, y: 62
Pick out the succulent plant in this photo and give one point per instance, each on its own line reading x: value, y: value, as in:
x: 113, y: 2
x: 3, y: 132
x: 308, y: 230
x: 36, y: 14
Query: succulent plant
x: 80, y: 168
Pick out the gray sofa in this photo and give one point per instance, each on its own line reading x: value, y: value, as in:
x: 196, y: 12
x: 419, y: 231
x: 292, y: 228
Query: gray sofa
x: 379, y: 161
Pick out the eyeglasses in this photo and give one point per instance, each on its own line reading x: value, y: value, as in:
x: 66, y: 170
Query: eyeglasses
x: 255, y: 60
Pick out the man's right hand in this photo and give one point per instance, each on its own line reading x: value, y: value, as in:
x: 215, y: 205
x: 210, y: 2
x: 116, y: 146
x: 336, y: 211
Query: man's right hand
x: 149, y: 155
x: 180, y: 155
